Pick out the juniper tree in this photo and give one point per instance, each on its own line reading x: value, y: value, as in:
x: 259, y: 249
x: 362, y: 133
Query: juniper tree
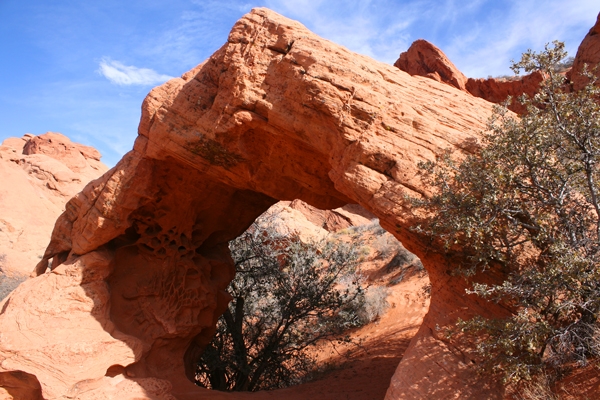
x: 528, y: 203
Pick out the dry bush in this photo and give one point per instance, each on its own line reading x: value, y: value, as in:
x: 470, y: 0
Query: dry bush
x: 287, y: 295
x: 375, y: 304
x: 539, y: 388
x: 9, y: 283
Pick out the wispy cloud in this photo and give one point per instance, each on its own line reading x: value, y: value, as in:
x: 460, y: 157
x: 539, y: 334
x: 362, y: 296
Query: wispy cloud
x: 379, y: 29
x: 198, y: 31
x: 495, y: 38
x: 122, y: 74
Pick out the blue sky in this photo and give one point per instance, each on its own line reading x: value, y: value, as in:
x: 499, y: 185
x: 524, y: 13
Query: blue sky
x: 83, y: 67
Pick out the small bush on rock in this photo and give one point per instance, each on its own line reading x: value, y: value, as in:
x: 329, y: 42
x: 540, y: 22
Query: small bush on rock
x: 8, y: 283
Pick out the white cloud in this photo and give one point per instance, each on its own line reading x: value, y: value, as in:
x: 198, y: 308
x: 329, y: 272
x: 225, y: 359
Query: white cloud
x: 489, y: 44
x: 378, y: 29
x: 122, y: 74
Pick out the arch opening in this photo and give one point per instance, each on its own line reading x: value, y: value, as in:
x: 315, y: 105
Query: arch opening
x: 379, y: 318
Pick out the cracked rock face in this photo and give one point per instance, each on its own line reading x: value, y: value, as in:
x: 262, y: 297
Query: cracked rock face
x: 140, y: 257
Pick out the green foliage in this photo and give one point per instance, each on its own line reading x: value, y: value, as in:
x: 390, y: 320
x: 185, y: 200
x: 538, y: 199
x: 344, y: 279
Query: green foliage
x: 527, y: 204
x: 287, y: 296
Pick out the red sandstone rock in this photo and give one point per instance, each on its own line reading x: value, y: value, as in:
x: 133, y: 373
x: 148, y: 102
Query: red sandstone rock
x: 334, y: 220
x: 424, y: 59
x: 75, y: 156
x: 587, y: 53
x: 497, y: 90
x: 38, y: 175
x: 140, y: 257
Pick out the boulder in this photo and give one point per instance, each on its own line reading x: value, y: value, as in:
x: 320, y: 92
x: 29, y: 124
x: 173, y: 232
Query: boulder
x: 587, y: 53
x: 424, y: 59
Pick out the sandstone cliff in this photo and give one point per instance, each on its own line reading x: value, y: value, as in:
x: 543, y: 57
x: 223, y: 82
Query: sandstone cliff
x: 38, y: 175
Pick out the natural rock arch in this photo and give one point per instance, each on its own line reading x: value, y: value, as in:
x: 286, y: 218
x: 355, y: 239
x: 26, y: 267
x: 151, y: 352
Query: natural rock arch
x: 140, y: 258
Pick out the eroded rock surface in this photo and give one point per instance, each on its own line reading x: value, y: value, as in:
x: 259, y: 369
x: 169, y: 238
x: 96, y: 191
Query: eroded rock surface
x: 424, y: 59
x: 333, y: 220
x: 140, y: 257
x: 497, y: 90
x: 587, y: 53
x: 38, y: 175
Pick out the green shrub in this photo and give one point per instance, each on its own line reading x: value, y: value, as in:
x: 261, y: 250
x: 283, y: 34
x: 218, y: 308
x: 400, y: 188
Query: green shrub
x: 527, y: 204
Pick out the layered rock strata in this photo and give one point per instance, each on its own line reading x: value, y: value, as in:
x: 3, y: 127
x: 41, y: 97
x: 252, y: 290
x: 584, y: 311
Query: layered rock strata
x: 140, y: 256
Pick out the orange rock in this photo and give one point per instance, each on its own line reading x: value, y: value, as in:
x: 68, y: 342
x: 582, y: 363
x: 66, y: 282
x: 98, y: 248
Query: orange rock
x: 70, y: 304
x: 424, y: 59
x: 76, y: 157
x: 587, y: 53
x: 498, y: 90
x: 334, y: 220
x: 276, y: 114
x: 39, y: 174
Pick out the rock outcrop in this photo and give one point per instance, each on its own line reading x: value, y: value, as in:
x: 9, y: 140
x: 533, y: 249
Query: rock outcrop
x: 333, y: 220
x: 140, y: 257
x: 38, y: 175
x: 587, y: 53
x: 497, y: 90
x: 424, y: 59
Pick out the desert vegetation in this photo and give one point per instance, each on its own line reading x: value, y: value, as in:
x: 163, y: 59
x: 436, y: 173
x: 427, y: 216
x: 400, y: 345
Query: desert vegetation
x: 526, y: 205
x: 288, y: 295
